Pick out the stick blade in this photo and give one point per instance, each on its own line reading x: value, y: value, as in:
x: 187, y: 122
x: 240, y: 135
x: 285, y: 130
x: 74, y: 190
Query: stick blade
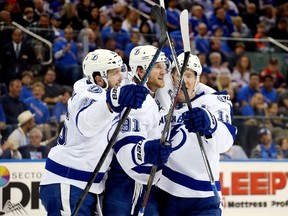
x: 185, y: 30
x: 160, y: 16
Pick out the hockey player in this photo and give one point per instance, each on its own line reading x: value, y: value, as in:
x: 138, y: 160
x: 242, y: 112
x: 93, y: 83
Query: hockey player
x: 138, y: 145
x: 83, y: 138
x: 185, y: 186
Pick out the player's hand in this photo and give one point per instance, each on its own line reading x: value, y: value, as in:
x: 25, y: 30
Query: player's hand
x: 200, y: 120
x: 153, y: 152
x: 131, y: 96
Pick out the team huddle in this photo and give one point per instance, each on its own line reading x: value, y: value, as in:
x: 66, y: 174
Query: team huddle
x: 181, y: 184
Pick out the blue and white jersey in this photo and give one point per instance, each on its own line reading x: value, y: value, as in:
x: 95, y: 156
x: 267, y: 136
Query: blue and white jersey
x: 141, y: 124
x: 184, y: 175
x: 82, y: 140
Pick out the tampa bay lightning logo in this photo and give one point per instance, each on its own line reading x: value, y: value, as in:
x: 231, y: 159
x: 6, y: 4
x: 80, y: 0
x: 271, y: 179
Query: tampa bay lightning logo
x: 220, y: 98
x: 175, y: 131
x: 137, y: 51
x: 95, y: 89
x: 94, y: 57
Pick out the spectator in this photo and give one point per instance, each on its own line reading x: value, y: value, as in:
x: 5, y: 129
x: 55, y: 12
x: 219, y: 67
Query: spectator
x: 16, y: 57
x: 25, y: 123
x: 3, y: 125
x: 251, y: 17
x: 135, y: 41
x: 27, y: 81
x: 205, y: 67
x: 274, y: 122
x: 223, y: 83
x: 273, y: 70
x: 266, y: 149
x: 69, y: 17
x: 40, y: 7
x: 28, y: 17
x: 146, y: 32
x: 236, y: 152
x: 173, y: 16
x: 39, y: 109
x: 283, y: 103
x: 238, y: 51
x: 261, y: 33
x: 96, y: 29
x: 14, y: 8
x: 245, y: 93
x: 216, y: 66
x: 87, y: 38
x: 268, y: 17
x: 110, y: 44
x: 94, y: 15
x: 53, y: 90
x: 241, y: 73
x: 198, y: 17
x: 42, y: 28
x: 269, y: 92
x: 120, y: 35
x: 83, y: 9
x: 55, y: 26
x: 6, y: 28
x: 283, y: 143
x: 8, y: 151
x: 132, y: 21
x: 12, y: 105
x: 241, y: 27
x: 60, y: 108
x: 280, y: 31
x: 216, y: 46
x: 36, y: 105
x: 255, y: 107
x: 224, y: 47
x: 222, y: 20
x: 34, y: 150
x: 67, y: 54
x: 201, y: 39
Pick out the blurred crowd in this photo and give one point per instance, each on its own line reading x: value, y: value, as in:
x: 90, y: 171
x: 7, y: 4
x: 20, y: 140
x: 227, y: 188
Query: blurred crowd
x: 39, y: 78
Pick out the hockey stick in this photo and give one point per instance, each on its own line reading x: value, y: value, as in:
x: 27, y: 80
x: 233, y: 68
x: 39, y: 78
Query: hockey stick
x: 163, y: 40
x: 200, y: 142
x: 184, y: 27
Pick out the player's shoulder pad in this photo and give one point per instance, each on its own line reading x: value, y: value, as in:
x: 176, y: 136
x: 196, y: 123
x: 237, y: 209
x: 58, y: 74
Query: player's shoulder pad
x: 94, y: 89
x: 222, y: 96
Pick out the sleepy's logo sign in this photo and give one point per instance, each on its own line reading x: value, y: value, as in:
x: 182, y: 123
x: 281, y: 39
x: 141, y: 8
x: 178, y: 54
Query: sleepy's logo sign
x: 254, y: 183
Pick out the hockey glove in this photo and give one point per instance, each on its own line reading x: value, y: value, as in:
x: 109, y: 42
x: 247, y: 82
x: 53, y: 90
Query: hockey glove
x: 131, y: 96
x: 153, y: 152
x: 200, y: 120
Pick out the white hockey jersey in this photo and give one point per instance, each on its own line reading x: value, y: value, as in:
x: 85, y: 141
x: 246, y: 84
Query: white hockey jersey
x: 184, y: 175
x: 82, y: 140
x: 141, y: 124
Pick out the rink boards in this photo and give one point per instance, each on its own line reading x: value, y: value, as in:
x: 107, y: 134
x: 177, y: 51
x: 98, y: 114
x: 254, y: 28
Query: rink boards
x: 249, y: 187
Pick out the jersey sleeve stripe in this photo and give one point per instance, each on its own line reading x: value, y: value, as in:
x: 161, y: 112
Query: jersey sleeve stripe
x: 232, y: 129
x: 71, y: 173
x: 81, y: 110
x: 187, y: 181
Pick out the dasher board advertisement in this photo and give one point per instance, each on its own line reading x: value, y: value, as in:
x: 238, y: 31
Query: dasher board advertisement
x: 250, y: 188
x: 255, y: 187
x: 19, y: 187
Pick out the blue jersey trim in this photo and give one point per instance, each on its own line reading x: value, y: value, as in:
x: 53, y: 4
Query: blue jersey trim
x: 125, y: 141
x: 144, y: 169
x: 71, y: 173
x: 187, y: 181
x: 82, y: 109
x: 232, y: 129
